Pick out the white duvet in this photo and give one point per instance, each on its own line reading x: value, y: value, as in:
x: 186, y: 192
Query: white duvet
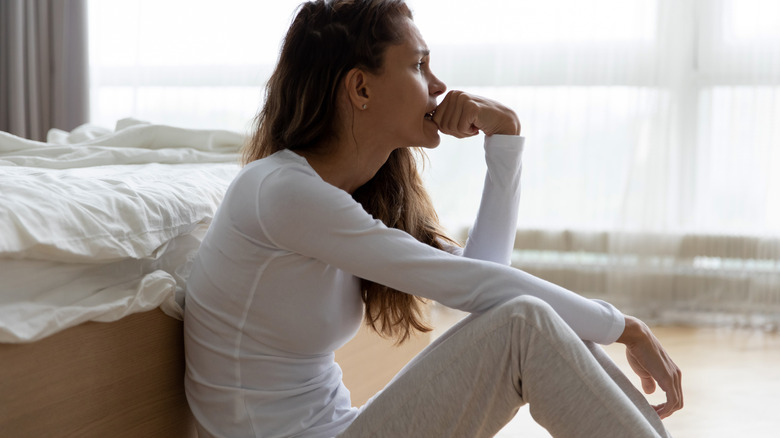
x: 98, y: 224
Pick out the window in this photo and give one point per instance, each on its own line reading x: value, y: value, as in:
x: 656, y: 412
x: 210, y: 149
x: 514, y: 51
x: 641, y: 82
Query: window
x: 657, y: 115
x: 190, y: 63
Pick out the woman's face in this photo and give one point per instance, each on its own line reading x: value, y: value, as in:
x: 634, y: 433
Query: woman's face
x: 404, y: 92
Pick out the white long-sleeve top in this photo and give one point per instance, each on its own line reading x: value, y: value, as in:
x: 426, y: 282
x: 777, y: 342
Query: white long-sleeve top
x: 275, y: 291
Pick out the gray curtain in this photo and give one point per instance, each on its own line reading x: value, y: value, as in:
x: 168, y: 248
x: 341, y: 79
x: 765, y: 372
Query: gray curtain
x: 44, y: 80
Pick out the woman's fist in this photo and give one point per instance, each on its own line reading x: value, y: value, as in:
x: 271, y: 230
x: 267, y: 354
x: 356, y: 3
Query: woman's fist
x: 464, y: 115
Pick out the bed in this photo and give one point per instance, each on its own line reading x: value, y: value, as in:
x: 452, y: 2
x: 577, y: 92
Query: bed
x: 98, y: 229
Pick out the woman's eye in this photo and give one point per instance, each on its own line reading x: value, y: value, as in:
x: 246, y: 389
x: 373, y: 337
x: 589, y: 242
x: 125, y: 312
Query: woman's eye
x: 420, y: 65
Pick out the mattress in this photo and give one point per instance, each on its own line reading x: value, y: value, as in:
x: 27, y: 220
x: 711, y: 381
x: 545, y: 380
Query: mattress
x: 96, y: 224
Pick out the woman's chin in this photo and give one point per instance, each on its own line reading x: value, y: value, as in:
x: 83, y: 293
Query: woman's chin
x: 431, y: 141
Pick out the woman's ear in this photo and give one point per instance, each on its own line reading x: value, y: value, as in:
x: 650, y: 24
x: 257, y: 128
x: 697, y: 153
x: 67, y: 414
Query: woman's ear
x: 357, y: 88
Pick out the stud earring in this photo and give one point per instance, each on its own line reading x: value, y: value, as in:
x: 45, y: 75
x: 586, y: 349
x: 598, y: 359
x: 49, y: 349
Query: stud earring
x: 365, y: 106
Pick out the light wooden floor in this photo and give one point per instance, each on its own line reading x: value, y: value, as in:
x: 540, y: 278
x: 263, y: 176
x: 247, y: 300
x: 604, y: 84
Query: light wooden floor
x: 731, y: 382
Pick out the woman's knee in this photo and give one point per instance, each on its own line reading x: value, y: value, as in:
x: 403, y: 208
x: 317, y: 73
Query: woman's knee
x: 527, y: 306
x: 529, y: 303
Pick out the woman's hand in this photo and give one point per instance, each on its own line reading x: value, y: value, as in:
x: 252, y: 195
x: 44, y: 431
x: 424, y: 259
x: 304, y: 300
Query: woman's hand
x: 464, y: 115
x: 652, y: 364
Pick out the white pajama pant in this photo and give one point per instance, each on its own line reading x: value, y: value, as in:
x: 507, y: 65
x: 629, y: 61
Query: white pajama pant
x: 473, y: 379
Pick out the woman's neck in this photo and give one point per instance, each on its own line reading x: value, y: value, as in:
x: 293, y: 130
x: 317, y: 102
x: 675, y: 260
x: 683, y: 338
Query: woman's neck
x: 345, y: 165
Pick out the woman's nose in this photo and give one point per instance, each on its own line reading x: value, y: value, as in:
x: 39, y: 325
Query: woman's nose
x: 436, y: 87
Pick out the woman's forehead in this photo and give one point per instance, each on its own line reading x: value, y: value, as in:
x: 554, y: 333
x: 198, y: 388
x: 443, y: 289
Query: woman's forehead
x: 413, y: 42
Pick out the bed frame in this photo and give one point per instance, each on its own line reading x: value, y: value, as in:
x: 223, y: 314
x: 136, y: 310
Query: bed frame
x: 125, y: 379
x: 118, y: 379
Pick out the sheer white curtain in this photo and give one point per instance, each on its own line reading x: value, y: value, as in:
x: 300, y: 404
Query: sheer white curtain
x: 652, y: 141
x: 653, y: 127
x: 191, y: 63
x: 652, y: 115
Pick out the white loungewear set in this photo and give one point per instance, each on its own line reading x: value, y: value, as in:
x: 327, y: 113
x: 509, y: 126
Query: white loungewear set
x: 274, y: 291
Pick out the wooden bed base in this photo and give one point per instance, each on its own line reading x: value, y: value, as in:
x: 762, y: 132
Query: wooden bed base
x: 118, y: 379
x: 125, y: 379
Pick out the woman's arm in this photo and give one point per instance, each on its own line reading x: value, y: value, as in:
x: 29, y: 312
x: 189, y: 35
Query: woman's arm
x: 462, y: 115
x: 492, y: 237
x: 300, y: 213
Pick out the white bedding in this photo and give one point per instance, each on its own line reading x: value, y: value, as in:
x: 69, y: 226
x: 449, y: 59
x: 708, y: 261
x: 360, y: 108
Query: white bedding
x: 97, y: 224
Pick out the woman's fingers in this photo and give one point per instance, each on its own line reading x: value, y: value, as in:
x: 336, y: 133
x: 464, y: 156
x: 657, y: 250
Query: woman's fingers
x: 671, y: 385
x: 464, y: 115
x: 648, y: 383
x: 449, y: 115
x: 674, y: 398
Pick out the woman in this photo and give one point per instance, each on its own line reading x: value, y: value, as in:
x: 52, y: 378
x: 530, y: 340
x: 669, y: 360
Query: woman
x: 329, y: 221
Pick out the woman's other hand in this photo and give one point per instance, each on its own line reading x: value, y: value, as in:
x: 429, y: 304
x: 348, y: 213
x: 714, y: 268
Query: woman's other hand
x: 652, y: 364
x: 464, y: 115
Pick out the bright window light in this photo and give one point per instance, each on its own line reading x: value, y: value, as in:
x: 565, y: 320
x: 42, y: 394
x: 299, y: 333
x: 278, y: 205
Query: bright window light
x: 535, y: 22
x: 752, y: 19
x: 187, y: 32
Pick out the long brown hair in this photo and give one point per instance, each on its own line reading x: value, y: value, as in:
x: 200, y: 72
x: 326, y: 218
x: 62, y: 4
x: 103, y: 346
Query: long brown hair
x: 327, y: 39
